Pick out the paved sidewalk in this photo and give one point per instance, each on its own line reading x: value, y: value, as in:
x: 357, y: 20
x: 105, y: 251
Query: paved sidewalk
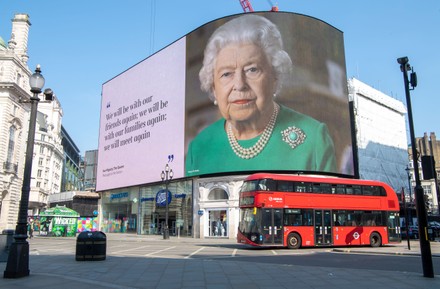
x: 63, y: 272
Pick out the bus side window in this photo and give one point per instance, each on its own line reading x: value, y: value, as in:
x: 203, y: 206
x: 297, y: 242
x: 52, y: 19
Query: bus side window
x: 367, y: 191
x: 340, y: 189
x: 271, y: 185
x: 300, y: 187
x: 307, y: 217
x: 357, y: 190
x: 285, y: 186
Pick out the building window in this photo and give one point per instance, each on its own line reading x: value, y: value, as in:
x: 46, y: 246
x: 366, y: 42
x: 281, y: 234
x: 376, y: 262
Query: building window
x: 39, y: 173
x: 217, y: 194
x: 11, y: 144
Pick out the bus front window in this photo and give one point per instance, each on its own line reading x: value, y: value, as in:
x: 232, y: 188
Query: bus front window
x: 249, y: 224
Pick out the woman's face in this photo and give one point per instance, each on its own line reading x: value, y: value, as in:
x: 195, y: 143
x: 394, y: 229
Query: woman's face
x: 244, y: 83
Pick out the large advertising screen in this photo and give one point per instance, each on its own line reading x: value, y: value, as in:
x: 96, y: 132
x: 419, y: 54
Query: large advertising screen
x: 245, y: 93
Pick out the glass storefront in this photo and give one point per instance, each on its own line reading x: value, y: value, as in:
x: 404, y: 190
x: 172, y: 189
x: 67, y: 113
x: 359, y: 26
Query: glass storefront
x: 119, y: 211
x: 142, y: 210
x: 152, y: 208
x: 218, y: 223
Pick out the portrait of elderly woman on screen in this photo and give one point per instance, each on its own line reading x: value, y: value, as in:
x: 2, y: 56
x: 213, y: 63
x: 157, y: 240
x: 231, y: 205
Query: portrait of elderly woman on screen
x: 244, y: 68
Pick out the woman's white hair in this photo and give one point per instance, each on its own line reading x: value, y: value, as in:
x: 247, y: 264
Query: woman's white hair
x: 248, y: 28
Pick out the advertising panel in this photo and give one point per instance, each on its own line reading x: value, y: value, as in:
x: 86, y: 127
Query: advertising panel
x: 245, y: 93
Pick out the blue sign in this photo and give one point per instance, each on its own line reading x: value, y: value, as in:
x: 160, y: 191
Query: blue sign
x: 200, y: 212
x: 162, y: 197
x: 119, y: 195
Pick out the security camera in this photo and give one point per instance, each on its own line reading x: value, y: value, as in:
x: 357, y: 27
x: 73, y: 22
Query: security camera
x: 402, y: 60
x: 48, y: 94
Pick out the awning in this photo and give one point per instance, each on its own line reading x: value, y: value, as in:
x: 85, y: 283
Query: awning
x: 59, y: 211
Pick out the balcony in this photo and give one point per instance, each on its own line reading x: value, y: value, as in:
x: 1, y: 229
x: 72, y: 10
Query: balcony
x: 10, y: 168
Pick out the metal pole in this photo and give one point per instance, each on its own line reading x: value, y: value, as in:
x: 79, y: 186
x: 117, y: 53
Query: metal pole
x: 166, y: 176
x: 166, y: 232
x: 406, y: 219
x: 18, y: 259
x: 410, y: 196
x: 425, y: 248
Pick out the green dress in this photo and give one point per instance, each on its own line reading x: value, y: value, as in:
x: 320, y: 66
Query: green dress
x: 298, y: 143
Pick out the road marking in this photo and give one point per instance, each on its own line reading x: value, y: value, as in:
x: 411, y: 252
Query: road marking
x: 132, y: 249
x: 193, y: 253
x: 166, y: 249
x: 234, y: 253
x: 274, y: 252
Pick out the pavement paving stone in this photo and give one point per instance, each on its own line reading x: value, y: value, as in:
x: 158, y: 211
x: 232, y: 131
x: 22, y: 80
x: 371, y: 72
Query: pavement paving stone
x: 60, y: 270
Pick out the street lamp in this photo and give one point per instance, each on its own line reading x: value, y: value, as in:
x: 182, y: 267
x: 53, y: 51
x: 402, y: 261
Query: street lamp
x: 425, y: 247
x: 166, y: 177
x: 18, y: 258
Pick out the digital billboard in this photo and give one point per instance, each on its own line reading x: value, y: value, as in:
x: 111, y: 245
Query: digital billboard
x: 245, y: 93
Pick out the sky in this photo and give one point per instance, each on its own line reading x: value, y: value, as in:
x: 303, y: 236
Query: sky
x: 82, y: 44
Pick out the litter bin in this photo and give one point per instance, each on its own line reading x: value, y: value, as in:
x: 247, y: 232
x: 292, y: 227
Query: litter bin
x: 91, y: 246
x: 6, y: 239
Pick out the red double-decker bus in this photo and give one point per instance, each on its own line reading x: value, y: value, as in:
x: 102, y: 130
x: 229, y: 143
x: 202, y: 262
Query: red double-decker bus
x: 300, y: 211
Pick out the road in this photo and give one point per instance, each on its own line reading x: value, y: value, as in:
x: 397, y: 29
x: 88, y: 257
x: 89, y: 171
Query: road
x: 209, y: 249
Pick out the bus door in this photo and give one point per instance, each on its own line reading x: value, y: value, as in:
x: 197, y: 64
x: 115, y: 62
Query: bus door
x: 272, y: 225
x: 323, y: 228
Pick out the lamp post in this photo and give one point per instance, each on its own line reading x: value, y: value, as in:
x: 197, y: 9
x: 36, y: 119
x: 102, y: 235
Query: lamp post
x: 166, y: 177
x: 408, y: 172
x: 425, y: 247
x: 18, y: 258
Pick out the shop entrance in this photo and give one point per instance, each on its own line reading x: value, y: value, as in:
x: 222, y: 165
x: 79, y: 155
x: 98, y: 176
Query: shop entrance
x: 217, y: 225
x: 158, y: 221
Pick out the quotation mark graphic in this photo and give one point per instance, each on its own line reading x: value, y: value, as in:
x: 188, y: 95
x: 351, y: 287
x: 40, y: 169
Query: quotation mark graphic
x: 170, y: 158
x: 108, y: 104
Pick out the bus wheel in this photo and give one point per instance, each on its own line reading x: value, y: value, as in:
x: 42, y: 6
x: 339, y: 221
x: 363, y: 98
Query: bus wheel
x: 293, y: 241
x: 375, y: 240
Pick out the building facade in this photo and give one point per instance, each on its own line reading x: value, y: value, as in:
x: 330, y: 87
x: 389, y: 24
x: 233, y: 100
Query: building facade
x: 427, y: 146
x: 90, y: 164
x: 72, y: 173
x: 380, y: 129
x: 208, y: 207
x: 14, y: 124
x: 48, y: 156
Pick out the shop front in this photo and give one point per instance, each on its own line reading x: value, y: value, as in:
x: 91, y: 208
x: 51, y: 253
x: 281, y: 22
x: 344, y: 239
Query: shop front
x: 142, y: 210
x: 119, y: 211
x: 216, y: 209
x: 153, y: 205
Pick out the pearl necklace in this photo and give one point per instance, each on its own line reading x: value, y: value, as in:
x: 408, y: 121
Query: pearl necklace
x: 253, y: 151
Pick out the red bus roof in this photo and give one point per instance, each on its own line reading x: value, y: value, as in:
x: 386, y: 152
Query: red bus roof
x: 316, y: 179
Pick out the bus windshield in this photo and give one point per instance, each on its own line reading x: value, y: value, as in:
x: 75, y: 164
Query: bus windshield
x: 248, y: 221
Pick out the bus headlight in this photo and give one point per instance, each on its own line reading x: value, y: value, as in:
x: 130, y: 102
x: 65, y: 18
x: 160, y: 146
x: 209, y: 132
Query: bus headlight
x: 254, y: 238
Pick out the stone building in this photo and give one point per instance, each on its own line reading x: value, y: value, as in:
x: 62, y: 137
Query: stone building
x: 14, y: 124
x: 427, y: 146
